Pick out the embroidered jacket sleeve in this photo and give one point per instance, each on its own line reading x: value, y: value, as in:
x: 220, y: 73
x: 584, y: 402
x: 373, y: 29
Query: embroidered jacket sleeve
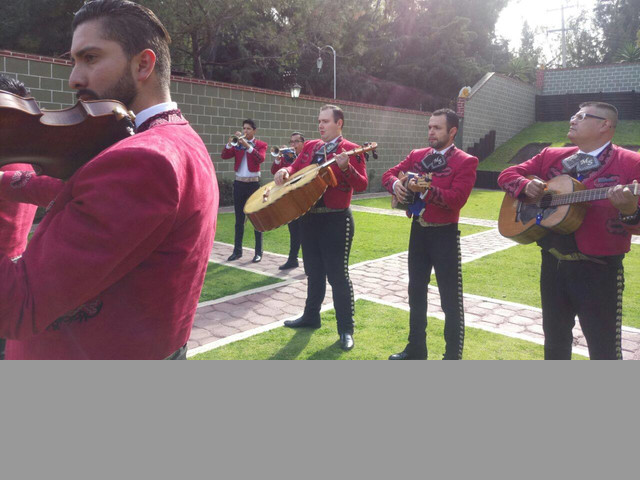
x: 454, y: 197
x: 355, y: 174
x: 121, y: 207
x: 390, y: 177
x: 634, y: 229
x: 228, y: 153
x: 299, y: 162
x: 295, y: 166
x: 256, y: 157
x: 276, y: 165
x: 25, y: 187
x: 513, y: 179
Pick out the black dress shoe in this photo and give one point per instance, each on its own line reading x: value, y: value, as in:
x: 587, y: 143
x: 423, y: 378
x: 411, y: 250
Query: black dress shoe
x: 234, y: 256
x: 406, y: 356
x: 291, y: 263
x: 346, y: 341
x: 302, y: 322
x: 256, y: 258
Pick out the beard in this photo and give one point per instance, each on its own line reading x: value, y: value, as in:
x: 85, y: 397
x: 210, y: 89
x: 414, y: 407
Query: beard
x: 124, y: 90
x: 437, y: 144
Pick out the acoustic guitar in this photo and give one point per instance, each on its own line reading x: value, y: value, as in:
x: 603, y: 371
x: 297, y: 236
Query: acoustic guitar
x: 272, y: 206
x: 561, y: 209
x: 421, y: 184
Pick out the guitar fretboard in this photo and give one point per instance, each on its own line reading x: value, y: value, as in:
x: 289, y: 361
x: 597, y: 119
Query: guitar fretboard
x: 587, y: 195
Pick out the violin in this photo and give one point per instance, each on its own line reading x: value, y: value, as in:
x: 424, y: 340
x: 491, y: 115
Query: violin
x: 58, y: 142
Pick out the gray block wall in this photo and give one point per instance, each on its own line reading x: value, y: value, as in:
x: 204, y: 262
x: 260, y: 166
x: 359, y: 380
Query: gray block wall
x: 216, y: 111
x: 599, y: 78
x: 498, y: 103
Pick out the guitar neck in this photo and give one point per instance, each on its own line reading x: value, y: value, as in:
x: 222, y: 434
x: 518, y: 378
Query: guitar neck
x: 351, y: 153
x: 587, y: 195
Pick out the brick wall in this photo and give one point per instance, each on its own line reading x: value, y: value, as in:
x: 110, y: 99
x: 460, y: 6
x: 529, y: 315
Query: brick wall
x: 598, y: 78
x: 497, y: 103
x: 216, y: 110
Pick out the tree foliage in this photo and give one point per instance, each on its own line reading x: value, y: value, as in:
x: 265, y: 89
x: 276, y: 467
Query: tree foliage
x: 619, y: 22
x: 409, y: 53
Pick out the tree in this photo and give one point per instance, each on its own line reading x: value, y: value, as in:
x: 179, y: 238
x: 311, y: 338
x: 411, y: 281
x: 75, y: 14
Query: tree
x: 629, y: 53
x: 619, y: 21
x: 37, y: 26
x: 410, y: 53
x: 525, y: 64
x: 584, y: 44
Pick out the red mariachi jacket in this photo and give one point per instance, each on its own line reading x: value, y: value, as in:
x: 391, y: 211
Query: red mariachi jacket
x: 24, y: 186
x: 15, y: 218
x: 254, y: 159
x: 601, y: 233
x: 116, y: 267
x: 355, y: 178
x: 283, y: 163
x: 450, y: 187
x: 21, y: 192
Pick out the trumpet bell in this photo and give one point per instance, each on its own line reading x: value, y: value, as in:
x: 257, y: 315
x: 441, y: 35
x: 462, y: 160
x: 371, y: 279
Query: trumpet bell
x: 236, y: 140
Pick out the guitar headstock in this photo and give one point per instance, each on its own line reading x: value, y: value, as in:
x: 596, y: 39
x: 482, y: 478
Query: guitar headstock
x: 370, y: 147
x: 419, y: 182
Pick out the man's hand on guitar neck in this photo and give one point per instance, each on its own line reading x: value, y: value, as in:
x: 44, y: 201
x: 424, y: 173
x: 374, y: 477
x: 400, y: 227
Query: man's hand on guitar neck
x: 535, y: 189
x: 343, y: 161
x: 623, y: 199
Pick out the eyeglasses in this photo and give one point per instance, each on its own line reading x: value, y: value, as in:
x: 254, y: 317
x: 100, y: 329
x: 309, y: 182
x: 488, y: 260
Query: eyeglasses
x: 580, y: 116
x: 295, y: 141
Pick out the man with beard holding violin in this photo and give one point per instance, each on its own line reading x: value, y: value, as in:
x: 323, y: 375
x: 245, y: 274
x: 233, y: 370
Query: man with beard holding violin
x: 435, y: 239
x: 581, y: 273
x: 116, y: 267
x: 328, y: 228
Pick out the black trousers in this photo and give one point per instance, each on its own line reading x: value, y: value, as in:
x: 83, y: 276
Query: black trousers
x: 437, y: 248
x: 294, y: 239
x: 589, y: 290
x: 241, y: 193
x: 326, y: 244
x: 2, y: 345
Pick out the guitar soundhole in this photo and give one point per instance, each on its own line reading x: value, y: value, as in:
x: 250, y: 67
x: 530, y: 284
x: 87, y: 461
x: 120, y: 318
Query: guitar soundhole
x: 294, y: 181
x: 529, y: 211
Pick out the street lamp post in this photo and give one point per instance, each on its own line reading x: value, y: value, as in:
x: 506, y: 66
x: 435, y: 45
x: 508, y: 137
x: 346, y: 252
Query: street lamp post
x: 319, y: 65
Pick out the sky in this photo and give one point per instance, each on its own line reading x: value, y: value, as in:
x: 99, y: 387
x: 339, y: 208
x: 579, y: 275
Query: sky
x: 537, y: 13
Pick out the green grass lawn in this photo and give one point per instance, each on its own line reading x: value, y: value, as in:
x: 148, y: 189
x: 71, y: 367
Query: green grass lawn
x: 376, y: 235
x: 514, y: 275
x: 484, y: 204
x: 221, y: 281
x: 380, y: 331
x: 627, y: 133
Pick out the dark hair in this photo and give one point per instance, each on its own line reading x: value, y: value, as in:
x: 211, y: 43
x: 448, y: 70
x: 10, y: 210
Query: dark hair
x: 452, y: 118
x: 249, y: 122
x: 12, y: 85
x: 299, y: 134
x: 338, y: 114
x: 134, y: 27
x: 604, y: 106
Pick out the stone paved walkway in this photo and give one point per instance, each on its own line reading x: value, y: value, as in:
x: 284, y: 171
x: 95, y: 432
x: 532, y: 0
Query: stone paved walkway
x: 383, y: 280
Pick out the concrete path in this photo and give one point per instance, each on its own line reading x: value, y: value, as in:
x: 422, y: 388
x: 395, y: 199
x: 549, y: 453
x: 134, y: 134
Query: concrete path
x: 383, y: 280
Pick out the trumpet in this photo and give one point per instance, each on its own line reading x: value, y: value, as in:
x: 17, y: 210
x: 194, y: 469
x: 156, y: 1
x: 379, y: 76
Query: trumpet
x: 236, y: 140
x: 281, y: 151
